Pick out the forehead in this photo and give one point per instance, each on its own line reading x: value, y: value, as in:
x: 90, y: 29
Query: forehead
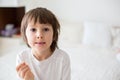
x: 34, y: 20
x: 32, y: 23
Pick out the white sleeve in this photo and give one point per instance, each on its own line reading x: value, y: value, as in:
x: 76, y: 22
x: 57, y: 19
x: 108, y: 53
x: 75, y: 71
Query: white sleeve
x: 66, y: 71
x: 18, y: 61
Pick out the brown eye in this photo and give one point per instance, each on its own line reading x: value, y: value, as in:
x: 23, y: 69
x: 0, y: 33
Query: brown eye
x: 33, y: 29
x: 46, y: 29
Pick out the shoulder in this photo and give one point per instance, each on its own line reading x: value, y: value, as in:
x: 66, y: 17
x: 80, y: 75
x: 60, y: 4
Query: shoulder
x: 24, y: 53
x: 63, y: 57
x: 61, y: 53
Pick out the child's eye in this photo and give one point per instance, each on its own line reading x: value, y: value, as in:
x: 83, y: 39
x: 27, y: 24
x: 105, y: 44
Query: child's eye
x: 46, y: 29
x: 33, y: 29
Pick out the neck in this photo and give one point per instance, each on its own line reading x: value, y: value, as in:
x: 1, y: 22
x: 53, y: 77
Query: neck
x: 42, y: 55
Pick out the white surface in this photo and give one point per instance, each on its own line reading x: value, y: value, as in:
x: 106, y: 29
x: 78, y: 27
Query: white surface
x: 78, y: 10
x: 93, y: 63
x: 71, y: 32
x: 9, y: 47
x: 97, y: 34
x: 116, y: 36
x: 8, y: 3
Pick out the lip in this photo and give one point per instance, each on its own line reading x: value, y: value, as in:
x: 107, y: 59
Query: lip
x: 40, y: 43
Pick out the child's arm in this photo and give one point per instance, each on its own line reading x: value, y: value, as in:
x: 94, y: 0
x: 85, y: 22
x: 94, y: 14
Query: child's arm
x: 24, y: 71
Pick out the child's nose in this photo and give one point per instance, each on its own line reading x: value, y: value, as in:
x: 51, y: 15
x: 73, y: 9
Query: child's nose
x: 39, y: 35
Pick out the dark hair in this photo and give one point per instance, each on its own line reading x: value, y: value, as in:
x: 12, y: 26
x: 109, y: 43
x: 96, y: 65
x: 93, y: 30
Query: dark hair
x: 44, y: 16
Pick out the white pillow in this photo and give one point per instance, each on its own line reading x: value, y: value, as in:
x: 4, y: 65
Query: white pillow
x: 71, y: 34
x: 97, y: 34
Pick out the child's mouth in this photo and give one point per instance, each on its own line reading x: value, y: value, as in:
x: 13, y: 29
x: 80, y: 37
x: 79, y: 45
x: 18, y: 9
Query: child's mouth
x: 40, y: 43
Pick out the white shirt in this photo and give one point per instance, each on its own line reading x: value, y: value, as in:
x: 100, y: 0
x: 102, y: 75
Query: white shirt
x: 56, y: 67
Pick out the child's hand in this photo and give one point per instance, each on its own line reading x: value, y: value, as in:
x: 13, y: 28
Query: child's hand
x: 24, y: 71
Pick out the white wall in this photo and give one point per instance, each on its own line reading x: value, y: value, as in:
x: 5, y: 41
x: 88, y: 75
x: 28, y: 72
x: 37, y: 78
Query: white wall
x: 107, y: 11
x: 8, y: 3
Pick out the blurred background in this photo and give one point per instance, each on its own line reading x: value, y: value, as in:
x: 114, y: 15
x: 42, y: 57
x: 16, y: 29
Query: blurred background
x: 72, y: 15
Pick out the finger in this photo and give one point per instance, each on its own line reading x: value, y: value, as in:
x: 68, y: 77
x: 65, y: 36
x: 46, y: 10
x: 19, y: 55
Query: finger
x: 24, y: 71
x: 29, y: 75
x: 19, y: 66
x: 21, y: 71
x: 22, y: 67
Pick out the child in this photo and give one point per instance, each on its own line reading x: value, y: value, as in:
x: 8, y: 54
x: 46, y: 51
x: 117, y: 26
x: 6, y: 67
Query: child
x: 43, y: 60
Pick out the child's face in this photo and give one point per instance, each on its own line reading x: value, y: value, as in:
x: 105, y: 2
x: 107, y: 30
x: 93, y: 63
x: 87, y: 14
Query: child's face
x: 39, y: 36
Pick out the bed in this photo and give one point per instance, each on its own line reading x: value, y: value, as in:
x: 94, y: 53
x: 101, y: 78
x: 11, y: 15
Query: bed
x: 93, y: 63
x: 92, y: 50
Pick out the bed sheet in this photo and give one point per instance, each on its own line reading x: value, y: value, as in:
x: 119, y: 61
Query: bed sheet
x: 93, y: 63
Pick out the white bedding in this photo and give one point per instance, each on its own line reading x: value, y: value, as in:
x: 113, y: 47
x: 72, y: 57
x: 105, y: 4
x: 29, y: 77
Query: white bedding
x: 87, y: 62
x: 93, y: 63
